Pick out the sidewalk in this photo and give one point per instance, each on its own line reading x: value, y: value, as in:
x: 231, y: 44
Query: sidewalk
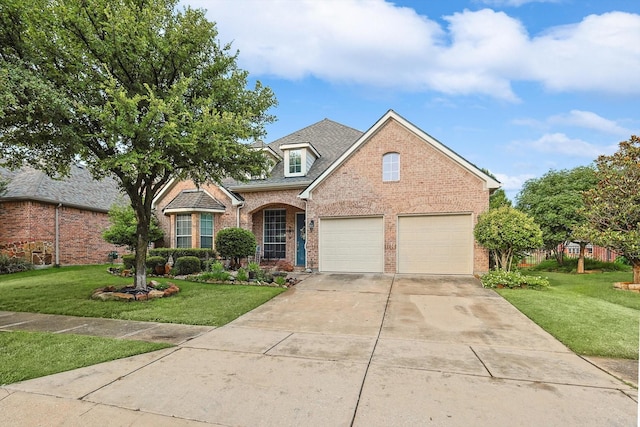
x: 109, y: 328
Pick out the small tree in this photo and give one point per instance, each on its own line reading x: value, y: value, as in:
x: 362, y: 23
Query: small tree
x: 124, y: 226
x: 612, y: 209
x: 235, y: 243
x: 507, y: 232
x: 555, y: 203
x: 498, y: 199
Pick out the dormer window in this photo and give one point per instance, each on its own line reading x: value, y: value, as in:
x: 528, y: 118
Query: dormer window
x: 295, y: 162
x: 298, y: 158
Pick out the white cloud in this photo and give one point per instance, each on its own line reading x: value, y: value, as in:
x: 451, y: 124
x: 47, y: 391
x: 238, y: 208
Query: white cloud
x: 515, y: 3
x: 559, y: 143
x: 590, y: 120
x: 512, y: 182
x: 376, y: 43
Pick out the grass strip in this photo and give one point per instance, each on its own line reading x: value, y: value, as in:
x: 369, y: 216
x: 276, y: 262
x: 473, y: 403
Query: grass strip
x: 584, y: 312
x: 27, y: 355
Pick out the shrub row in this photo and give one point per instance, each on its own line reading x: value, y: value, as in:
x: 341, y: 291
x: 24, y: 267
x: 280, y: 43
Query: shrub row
x: 182, y: 265
x: 512, y: 279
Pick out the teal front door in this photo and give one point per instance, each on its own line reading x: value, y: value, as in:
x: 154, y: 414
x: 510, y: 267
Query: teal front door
x: 301, y: 236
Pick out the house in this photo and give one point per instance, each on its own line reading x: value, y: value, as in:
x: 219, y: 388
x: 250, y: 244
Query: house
x: 48, y: 221
x: 392, y: 199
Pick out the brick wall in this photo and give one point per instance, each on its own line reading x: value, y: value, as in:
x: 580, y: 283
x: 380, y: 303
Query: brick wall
x: 429, y: 183
x: 30, y: 226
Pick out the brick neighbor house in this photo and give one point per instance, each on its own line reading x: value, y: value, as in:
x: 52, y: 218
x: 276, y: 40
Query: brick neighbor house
x: 49, y: 221
x: 392, y: 199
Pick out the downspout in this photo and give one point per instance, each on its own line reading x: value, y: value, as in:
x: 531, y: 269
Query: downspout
x: 57, y: 244
x: 306, y: 234
x: 240, y: 206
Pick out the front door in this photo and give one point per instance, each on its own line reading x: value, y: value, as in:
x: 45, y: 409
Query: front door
x: 301, y: 237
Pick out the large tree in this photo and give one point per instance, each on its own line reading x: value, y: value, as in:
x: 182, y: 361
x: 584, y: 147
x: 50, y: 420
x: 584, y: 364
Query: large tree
x: 136, y: 89
x: 612, y: 208
x: 555, y: 202
x: 507, y: 232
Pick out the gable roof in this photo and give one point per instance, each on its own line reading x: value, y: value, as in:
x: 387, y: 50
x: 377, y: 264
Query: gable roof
x: 194, y: 201
x: 330, y: 139
x: 79, y: 190
x: 490, y: 182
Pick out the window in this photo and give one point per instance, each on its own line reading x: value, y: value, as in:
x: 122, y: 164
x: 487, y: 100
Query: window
x: 391, y: 167
x: 295, y: 161
x: 183, y: 231
x: 275, y: 222
x: 206, y: 230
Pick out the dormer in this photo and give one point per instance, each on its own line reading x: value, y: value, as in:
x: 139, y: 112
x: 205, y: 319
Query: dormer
x: 298, y: 158
x: 272, y: 157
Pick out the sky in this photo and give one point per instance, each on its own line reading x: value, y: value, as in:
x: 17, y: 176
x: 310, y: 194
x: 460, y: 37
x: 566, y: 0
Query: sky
x: 518, y: 87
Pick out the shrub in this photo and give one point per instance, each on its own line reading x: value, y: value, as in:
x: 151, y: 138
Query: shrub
x: 243, y: 275
x: 187, y: 265
x: 512, y: 279
x: 129, y: 261
x: 13, y: 265
x: 570, y: 265
x: 154, y: 261
x: 235, y: 243
x: 280, y: 280
x: 175, y: 253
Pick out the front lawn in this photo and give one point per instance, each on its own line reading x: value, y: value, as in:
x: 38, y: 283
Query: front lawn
x: 27, y: 355
x: 584, y: 312
x: 67, y: 290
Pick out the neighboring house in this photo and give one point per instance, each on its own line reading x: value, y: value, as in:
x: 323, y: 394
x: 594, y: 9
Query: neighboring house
x: 49, y: 221
x: 392, y: 199
x: 572, y: 250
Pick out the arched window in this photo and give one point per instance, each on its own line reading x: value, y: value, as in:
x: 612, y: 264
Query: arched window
x: 391, y: 167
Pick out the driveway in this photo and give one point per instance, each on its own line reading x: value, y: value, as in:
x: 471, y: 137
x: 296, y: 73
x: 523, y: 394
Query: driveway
x: 341, y: 350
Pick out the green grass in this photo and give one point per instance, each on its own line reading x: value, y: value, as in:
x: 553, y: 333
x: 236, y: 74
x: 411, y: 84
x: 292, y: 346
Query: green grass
x: 27, y: 355
x: 67, y: 290
x: 584, y: 312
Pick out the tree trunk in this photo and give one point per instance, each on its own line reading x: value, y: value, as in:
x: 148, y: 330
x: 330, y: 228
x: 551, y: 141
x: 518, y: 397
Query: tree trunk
x: 583, y: 246
x: 141, y: 246
x: 558, y: 252
x: 636, y: 271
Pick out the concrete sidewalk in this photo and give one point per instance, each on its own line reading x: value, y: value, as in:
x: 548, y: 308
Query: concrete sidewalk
x: 342, y: 350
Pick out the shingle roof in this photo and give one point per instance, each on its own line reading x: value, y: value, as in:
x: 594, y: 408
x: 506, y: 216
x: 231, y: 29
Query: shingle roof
x: 195, y: 200
x: 329, y: 138
x: 78, y: 190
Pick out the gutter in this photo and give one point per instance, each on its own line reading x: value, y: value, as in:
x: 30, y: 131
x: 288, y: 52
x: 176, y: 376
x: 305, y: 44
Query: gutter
x: 57, y: 245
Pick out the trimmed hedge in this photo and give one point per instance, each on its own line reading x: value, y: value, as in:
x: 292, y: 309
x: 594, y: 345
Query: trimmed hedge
x: 187, y: 265
x: 153, y: 261
x: 201, y: 254
x: 129, y: 261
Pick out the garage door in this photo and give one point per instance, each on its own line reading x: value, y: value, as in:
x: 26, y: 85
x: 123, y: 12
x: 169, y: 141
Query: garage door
x: 351, y: 245
x: 435, y: 244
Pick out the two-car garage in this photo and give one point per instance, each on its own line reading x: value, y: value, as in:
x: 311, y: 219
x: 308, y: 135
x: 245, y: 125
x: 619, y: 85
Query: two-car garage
x: 426, y: 244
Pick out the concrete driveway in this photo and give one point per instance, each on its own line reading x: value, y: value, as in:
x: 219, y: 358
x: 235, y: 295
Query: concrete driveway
x: 342, y: 350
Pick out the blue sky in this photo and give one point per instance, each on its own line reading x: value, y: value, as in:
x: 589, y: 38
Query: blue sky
x: 515, y: 86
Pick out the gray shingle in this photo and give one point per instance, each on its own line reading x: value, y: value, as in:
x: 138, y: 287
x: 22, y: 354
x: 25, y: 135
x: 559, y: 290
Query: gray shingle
x: 78, y: 190
x: 195, y: 200
x: 329, y: 138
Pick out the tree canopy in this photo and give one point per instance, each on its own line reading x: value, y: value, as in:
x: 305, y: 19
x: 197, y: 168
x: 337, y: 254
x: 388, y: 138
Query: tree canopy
x: 138, y: 90
x: 555, y: 203
x: 507, y: 232
x: 612, y: 209
x: 498, y: 199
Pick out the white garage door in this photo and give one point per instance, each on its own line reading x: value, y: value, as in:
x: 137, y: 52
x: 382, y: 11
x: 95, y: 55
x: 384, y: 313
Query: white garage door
x: 351, y: 245
x: 435, y: 244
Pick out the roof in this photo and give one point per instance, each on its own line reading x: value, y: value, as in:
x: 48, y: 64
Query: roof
x: 194, y: 201
x: 490, y: 182
x: 79, y: 190
x: 330, y: 139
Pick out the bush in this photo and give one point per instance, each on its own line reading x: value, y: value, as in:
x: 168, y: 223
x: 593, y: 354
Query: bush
x: 128, y: 261
x: 570, y: 265
x: 280, y: 280
x: 187, y: 265
x: 216, y: 272
x: 235, y: 243
x: 175, y: 253
x: 154, y: 261
x: 512, y: 279
x: 243, y: 275
x: 13, y: 265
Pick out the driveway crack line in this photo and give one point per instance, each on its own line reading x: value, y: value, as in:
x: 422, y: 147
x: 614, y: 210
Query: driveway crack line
x: 481, y: 361
x: 375, y: 345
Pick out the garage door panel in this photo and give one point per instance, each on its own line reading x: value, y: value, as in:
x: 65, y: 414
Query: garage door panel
x: 351, y: 245
x: 435, y: 244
